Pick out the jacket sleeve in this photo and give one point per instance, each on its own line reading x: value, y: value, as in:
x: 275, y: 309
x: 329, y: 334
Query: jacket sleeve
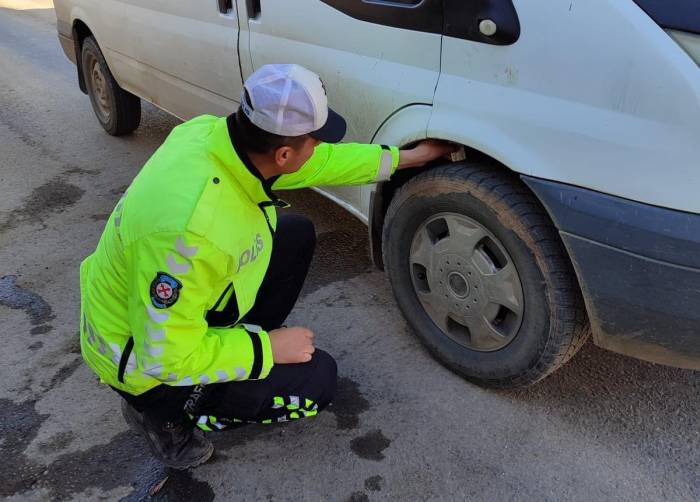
x: 343, y: 164
x: 172, y: 282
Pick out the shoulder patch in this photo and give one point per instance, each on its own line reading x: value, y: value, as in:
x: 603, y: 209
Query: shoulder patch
x: 165, y: 290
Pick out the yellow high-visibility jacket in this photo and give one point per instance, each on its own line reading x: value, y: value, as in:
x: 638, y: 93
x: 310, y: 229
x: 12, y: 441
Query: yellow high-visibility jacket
x: 184, y: 252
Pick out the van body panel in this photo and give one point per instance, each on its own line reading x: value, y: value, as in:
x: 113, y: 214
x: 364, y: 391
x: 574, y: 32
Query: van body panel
x: 618, y: 114
x: 185, y: 49
x: 174, y: 95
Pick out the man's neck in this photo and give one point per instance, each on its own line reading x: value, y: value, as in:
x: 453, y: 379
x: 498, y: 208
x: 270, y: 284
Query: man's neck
x: 253, y: 161
x: 262, y: 163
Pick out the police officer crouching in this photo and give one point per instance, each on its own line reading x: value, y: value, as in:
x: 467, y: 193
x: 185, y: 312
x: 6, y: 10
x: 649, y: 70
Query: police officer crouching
x: 184, y: 299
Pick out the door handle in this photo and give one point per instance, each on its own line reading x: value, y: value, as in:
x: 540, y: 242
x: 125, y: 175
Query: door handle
x: 254, y: 8
x: 225, y: 6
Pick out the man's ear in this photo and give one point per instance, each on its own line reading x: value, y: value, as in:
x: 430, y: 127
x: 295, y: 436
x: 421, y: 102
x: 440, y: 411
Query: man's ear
x: 282, y: 155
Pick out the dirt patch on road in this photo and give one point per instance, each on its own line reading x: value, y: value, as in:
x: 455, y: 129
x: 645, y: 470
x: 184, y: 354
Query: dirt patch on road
x: 53, y: 196
x: 358, y: 497
x: 57, y: 442
x: 41, y: 330
x: 348, y: 405
x: 374, y: 483
x: 16, y: 297
x: 19, y: 424
x: 371, y: 445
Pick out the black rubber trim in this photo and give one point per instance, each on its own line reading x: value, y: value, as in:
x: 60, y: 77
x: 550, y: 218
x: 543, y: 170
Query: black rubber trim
x: 125, y: 358
x: 653, y: 232
x: 376, y: 221
x: 639, y: 306
x: 454, y: 18
x: 228, y: 316
x: 257, y: 355
x: 682, y: 15
x: 386, y: 147
x: 77, y: 46
x: 638, y: 266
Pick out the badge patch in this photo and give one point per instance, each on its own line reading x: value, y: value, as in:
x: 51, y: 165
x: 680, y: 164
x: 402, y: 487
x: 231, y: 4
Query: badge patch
x: 165, y: 290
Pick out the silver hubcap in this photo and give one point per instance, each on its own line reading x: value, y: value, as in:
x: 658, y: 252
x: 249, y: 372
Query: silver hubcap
x: 466, y: 282
x: 98, y: 85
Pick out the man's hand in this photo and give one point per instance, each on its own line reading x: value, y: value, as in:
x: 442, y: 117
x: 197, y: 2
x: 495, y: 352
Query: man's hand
x: 291, y: 345
x: 425, y: 151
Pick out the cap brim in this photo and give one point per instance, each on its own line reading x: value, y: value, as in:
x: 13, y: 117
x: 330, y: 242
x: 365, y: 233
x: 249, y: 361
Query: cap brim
x: 333, y: 130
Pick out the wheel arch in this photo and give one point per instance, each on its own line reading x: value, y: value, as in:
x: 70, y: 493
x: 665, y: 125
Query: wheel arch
x: 419, y: 121
x: 384, y: 192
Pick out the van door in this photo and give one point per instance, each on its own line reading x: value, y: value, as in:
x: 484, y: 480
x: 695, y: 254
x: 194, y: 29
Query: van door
x: 374, y: 57
x: 184, y: 55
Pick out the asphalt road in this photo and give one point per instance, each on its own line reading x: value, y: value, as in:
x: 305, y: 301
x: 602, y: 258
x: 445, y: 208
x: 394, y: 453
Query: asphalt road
x: 605, y: 427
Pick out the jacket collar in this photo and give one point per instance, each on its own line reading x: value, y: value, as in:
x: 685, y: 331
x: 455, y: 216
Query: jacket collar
x: 224, y: 145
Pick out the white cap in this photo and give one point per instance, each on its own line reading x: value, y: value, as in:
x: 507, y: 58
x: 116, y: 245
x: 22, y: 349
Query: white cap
x: 289, y: 100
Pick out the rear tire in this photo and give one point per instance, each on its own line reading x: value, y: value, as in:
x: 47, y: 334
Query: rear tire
x: 476, y: 238
x: 118, y: 111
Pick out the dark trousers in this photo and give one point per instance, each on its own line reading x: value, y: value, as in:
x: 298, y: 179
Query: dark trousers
x: 290, y: 391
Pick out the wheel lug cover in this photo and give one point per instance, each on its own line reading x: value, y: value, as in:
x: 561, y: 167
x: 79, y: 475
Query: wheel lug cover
x: 458, y: 284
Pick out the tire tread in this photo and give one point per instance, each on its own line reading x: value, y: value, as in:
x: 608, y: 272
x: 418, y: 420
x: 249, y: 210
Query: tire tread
x: 127, y: 107
x: 507, y: 194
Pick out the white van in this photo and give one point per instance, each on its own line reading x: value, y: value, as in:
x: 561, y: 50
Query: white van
x: 577, y: 208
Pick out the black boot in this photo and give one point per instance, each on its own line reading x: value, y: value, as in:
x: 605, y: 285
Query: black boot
x: 132, y: 417
x: 177, y: 444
